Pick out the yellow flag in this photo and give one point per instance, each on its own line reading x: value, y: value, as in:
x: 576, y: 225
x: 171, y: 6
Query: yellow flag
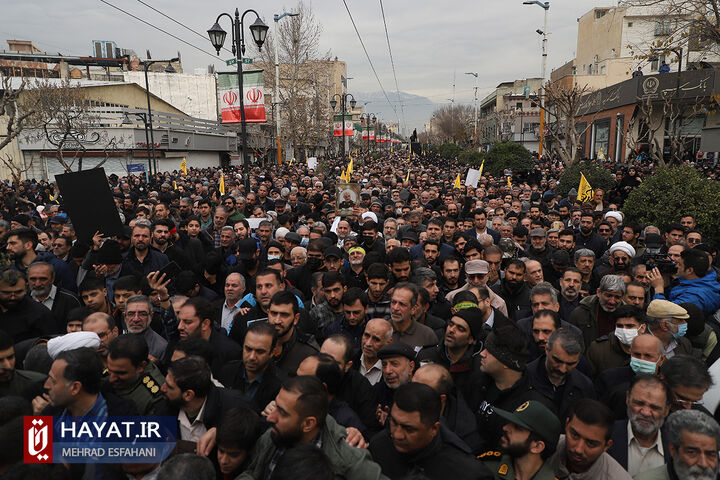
x: 222, y: 184
x: 407, y: 177
x: 585, y: 191
x: 174, y: 185
x: 457, y: 182
x: 509, y: 182
x: 183, y: 166
x: 350, y: 165
x: 482, y: 165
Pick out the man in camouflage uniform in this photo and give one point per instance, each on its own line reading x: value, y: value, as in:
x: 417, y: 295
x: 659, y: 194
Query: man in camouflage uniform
x: 529, y: 439
x: 132, y: 375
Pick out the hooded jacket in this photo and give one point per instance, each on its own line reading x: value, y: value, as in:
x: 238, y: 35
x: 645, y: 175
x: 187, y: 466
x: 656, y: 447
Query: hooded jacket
x: 703, y: 292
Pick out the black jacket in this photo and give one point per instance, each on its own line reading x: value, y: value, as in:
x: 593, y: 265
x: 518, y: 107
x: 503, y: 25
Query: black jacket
x: 217, y: 403
x: 612, y: 386
x: 563, y: 398
x: 460, y: 419
x: 294, y: 351
x: 224, y: 349
x: 619, y: 448
x: 154, y: 261
x: 445, y: 457
x: 27, y: 319
x: 232, y: 375
x: 486, y: 397
x: 64, y: 301
x: 518, y: 302
x: 495, y: 235
x: 360, y: 395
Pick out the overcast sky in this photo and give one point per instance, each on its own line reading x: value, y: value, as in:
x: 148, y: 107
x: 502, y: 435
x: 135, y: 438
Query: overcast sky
x: 432, y: 40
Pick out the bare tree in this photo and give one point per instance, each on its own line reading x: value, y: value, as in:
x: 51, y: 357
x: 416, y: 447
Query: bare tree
x: 16, y: 118
x: 665, y: 127
x: 65, y: 119
x: 691, y: 25
x: 305, y: 79
x: 566, y: 105
x: 454, y: 123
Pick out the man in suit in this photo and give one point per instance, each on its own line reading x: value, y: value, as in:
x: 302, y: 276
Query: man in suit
x: 41, y: 280
x: 638, y: 443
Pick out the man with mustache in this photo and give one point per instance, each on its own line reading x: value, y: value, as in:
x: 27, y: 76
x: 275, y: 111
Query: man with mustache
x: 693, y: 440
x: 638, y: 442
x: 582, y: 452
x: 594, y: 315
x: 570, y: 284
x: 515, y: 291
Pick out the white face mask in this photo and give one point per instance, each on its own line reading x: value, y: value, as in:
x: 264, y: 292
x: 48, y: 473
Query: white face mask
x: 626, y: 335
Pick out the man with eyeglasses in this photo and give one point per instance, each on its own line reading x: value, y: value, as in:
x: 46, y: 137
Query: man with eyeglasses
x: 688, y: 379
x: 138, y: 314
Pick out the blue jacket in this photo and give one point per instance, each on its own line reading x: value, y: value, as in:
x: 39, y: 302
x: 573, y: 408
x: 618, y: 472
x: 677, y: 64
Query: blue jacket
x: 703, y: 292
x: 63, y: 274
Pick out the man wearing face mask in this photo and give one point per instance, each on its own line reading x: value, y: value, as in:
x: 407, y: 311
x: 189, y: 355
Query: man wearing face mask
x: 613, y: 350
x: 646, y: 356
x: 301, y: 275
x: 668, y: 322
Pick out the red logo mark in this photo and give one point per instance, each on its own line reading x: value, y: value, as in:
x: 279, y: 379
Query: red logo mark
x: 230, y: 98
x: 37, y: 439
x: 253, y: 95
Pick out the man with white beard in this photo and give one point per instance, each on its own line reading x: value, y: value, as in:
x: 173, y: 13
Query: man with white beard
x: 638, y: 442
x: 594, y: 316
x: 693, y: 441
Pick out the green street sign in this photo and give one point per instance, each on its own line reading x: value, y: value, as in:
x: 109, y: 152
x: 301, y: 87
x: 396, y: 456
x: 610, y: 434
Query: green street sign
x: 233, y: 61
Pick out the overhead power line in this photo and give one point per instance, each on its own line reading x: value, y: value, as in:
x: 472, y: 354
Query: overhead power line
x: 179, y: 23
x: 159, y: 29
x: 392, y: 62
x: 369, y: 60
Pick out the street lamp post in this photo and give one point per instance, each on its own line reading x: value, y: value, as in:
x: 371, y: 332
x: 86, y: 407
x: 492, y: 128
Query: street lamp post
x: 343, y: 102
x: 217, y: 37
x: 369, y: 118
x: 169, y: 69
x: 475, y: 74
x: 276, y: 97
x: 545, y: 6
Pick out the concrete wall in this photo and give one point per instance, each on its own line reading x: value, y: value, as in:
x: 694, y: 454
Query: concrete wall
x: 194, y: 95
x: 598, y: 38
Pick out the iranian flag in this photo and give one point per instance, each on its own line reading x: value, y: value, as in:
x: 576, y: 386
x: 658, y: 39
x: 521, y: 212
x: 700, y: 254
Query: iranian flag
x: 253, y: 97
x: 365, y: 133
x: 372, y: 134
x: 338, y: 125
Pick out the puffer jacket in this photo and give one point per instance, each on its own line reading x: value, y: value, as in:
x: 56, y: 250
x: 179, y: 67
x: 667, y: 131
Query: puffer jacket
x: 703, y: 292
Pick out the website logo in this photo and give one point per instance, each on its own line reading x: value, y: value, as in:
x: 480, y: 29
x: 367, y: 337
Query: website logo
x: 38, y: 439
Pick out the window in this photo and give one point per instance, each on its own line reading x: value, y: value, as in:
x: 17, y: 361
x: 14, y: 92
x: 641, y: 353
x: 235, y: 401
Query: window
x: 600, y: 13
x: 663, y: 27
x: 630, y: 24
x: 602, y: 137
x: 656, y: 62
x: 519, y: 105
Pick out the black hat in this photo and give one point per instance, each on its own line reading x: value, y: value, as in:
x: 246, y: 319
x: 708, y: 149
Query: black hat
x: 109, y: 253
x: 473, y: 317
x: 293, y: 237
x: 333, y: 251
x: 78, y: 250
x: 246, y: 248
x: 126, y: 232
x: 396, y: 349
x: 511, y: 356
x: 410, y: 235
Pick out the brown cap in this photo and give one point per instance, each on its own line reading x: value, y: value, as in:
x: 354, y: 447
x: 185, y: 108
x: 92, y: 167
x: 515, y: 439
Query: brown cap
x: 474, y: 267
x: 665, y: 309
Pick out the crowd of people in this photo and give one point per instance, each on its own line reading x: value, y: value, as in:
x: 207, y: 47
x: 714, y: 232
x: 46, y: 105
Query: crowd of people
x: 499, y: 331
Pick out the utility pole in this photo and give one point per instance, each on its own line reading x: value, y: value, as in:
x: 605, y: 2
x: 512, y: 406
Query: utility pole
x: 475, y: 74
x: 545, y: 6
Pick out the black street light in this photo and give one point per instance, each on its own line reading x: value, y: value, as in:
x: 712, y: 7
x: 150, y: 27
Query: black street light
x: 343, y: 105
x: 168, y: 69
x: 369, y: 118
x: 217, y: 37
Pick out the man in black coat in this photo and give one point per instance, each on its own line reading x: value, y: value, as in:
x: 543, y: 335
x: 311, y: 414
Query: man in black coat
x: 190, y: 393
x: 555, y: 375
x: 431, y: 449
x: 255, y: 375
x: 480, y: 226
x: 21, y: 317
x: 41, y: 279
x: 515, y: 291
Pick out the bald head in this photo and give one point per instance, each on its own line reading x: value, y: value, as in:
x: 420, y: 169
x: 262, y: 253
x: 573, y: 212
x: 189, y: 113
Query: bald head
x: 647, y: 347
x: 382, y: 326
x: 436, y: 377
x: 104, y: 325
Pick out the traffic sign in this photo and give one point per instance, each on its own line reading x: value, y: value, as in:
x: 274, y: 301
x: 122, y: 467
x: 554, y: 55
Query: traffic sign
x: 233, y: 61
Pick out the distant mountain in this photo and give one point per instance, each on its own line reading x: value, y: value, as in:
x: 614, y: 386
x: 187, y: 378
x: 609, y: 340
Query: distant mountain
x: 418, y: 109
